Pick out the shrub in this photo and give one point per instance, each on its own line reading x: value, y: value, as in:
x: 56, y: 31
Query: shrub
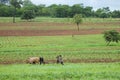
x: 111, y: 36
x: 28, y: 15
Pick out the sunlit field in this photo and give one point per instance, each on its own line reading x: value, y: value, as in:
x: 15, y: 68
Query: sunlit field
x: 86, y: 57
x: 77, y: 47
x: 93, y: 71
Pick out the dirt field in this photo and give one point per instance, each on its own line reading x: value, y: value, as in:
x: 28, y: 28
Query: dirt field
x: 53, y: 29
x: 51, y: 32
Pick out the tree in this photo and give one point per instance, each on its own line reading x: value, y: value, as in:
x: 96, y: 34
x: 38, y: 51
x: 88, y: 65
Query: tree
x: 88, y: 11
x: 77, y: 9
x: 77, y: 19
x: 28, y: 14
x: 52, y: 10
x: 16, y: 4
x: 62, y: 11
x: 116, y: 14
x: 27, y: 3
x: 59, y: 10
x: 103, y: 12
x: 6, y: 11
x: 111, y: 36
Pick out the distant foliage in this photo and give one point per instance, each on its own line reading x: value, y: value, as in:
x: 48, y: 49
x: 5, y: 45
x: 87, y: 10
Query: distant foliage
x: 17, y: 5
x: 111, y: 36
x: 28, y: 15
x: 55, y: 10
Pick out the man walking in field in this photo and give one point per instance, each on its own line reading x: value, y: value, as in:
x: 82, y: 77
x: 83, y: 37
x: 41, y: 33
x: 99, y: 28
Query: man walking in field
x: 59, y: 59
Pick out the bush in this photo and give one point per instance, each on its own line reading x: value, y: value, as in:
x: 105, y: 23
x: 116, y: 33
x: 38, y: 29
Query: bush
x: 28, y: 15
x: 111, y: 36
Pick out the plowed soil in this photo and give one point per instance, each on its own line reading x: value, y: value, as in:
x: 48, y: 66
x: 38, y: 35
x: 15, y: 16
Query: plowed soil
x: 107, y: 60
x: 50, y: 32
x: 53, y: 29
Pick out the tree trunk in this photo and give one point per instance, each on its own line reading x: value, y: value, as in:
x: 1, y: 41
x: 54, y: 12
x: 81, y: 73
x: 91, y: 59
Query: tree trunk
x: 108, y: 43
x: 14, y: 15
x: 78, y: 26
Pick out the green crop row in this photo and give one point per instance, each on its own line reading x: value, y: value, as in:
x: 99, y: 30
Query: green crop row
x: 99, y: 71
x: 77, y: 47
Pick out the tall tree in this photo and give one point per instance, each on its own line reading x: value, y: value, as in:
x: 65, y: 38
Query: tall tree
x: 103, y: 12
x: 76, y: 9
x: 62, y: 11
x: 88, y: 11
x: 6, y: 11
x: 52, y: 10
x: 16, y: 4
x: 28, y: 5
x: 77, y: 19
x: 116, y: 14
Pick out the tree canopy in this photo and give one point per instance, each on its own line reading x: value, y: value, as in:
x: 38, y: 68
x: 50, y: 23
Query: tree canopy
x: 28, y: 15
x: 55, y: 10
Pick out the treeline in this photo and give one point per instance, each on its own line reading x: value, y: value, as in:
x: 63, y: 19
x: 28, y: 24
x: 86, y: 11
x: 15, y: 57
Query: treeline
x: 7, y: 10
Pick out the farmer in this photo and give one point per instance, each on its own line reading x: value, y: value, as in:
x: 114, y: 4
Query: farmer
x: 59, y: 59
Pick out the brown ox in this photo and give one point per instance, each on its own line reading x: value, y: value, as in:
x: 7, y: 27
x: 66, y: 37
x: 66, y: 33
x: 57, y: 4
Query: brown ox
x: 33, y: 60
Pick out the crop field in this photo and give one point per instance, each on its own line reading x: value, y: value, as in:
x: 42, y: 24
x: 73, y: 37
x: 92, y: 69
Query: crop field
x: 85, y: 54
x: 42, y: 26
x: 82, y: 71
x: 74, y: 49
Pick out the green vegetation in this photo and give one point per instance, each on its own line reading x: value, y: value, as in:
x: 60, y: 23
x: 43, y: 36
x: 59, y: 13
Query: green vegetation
x: 79, y: 52
x: 16, y: 4
x: 62, y: 20
x: 28, y: 15
x: 79, y: 47
x: 55, y: 10
x: 78, y: 19
x: 14, y: 50
x: 100, y: 71
x: 111, y: 36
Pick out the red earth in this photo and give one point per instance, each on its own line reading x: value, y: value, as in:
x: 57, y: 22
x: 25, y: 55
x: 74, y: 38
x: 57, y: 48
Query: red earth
x: 61, y: 29
x: 50, y: 32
